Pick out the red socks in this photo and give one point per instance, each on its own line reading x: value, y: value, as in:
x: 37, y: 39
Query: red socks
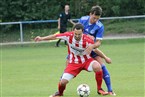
x: 61, y: 88
x: 99, y: 78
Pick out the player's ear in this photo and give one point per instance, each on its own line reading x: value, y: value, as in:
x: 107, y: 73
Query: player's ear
x: 90, y: 14
x: 82, y: 30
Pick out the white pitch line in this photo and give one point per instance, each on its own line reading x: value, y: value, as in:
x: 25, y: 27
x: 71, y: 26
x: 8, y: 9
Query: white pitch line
x: 105, y: 38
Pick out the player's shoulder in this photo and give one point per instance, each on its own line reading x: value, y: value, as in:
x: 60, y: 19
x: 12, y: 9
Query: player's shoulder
x: 61, y: 14
x: 69, y: 33
x: 84, y: 17
x: 99, y: 24
x: 66, y: 34
x: 88, y: 39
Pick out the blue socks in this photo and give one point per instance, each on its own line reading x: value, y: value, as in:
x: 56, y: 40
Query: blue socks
x: 106, y: 77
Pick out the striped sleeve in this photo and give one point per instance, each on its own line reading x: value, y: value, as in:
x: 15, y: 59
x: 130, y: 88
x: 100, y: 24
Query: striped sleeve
x: 63, y: 36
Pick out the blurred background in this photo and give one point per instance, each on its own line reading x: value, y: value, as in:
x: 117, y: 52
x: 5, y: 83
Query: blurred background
x: 34, y: 69
x: 34, y: 17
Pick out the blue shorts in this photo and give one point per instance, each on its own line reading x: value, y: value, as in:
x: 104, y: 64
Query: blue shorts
x: 67, y: 57
x: 93, y: 55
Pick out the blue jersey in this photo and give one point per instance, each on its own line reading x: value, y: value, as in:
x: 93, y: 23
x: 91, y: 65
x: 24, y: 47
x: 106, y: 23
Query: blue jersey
x: 96, y: 29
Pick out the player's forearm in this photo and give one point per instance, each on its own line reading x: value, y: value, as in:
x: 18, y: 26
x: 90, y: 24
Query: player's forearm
x: 59, y: 22
x: 100, y: 53
x: 50, y: 37
x: 96, y: 44
x: 72, y: 22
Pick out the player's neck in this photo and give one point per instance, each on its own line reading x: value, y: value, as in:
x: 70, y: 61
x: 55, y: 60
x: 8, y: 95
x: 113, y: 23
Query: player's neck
x: 78, y: 40
x: 66, y: 11
x: 90, y: 22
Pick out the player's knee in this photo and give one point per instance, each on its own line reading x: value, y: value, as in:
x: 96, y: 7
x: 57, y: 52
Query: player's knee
x: 63, y: 82
x: 96, y: 66
x: 99, y: 59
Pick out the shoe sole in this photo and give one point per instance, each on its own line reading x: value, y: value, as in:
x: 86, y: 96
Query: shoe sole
x: 112, y: 94
x: 102, y: 94
x: 53, y: 96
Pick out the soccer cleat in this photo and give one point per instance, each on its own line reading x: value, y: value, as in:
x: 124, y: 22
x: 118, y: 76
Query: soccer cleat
x: 111, y: 93
x: 56, y: 95
x: 53, y: 96
x: 102, y: 92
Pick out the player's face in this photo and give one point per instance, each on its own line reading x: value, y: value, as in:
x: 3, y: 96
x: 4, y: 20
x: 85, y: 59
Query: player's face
x: 78, y: 34
x: 94, y: 18
x: 67, y: 7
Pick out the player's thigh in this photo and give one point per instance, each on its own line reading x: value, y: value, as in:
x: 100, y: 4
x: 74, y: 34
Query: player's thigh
x: 96, y: 66
x: 73, y: 69
x: 99, y: 59
x: 96, y: 57
x: 92, y: 65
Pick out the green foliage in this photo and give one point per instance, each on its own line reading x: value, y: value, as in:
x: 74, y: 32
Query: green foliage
x: 21, y: 10
x: 125, y: 26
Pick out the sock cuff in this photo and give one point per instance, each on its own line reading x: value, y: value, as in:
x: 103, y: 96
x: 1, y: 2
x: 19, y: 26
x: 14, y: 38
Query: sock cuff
x: 99, y: 72
x: 103, y: 65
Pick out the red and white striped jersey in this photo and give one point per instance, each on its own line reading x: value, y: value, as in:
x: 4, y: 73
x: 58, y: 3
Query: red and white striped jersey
x: 76, y: 48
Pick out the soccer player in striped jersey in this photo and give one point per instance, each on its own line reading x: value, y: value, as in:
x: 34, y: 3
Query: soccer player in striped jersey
x: 79, y: 58
x: 95, y: 29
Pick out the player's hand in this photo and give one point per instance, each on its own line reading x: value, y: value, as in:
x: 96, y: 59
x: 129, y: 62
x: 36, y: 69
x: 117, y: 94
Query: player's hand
x: 108, y: 60
x: 38, y: 38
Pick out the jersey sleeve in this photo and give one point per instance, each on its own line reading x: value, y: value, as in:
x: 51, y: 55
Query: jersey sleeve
x: 80, y: 21
x: 100, y: 33
x: 63, y: 36
x: 60, y: 15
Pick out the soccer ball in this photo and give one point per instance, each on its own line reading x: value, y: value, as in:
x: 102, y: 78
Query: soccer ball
x: 83, y: 90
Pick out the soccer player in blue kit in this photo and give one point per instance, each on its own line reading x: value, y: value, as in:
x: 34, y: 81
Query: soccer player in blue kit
x: 93, y: 27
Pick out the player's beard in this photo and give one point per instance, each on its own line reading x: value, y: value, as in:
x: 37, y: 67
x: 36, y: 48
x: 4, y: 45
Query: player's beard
x: 77, y: 38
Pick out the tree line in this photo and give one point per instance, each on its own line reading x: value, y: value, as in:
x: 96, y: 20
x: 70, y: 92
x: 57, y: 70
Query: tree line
x: 21, y: 10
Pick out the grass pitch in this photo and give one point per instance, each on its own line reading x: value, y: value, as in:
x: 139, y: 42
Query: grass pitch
x: 34, y: 70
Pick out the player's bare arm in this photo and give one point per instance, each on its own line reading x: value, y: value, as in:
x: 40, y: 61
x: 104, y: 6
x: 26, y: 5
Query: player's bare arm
x: 93, y: 46
x: 97, y: 44
x: 101, y: 54
x: 49, y: 37
x: 89, y: 49
x: 58, y: 23
x: 71, y: 22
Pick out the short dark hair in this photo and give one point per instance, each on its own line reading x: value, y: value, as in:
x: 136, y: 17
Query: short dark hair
x: 64, y: 4
x: 78, y: 26
x: 97, y: 10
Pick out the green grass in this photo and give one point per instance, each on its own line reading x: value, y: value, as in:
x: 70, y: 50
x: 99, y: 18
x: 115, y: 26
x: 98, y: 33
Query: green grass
x: 34, y: 70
